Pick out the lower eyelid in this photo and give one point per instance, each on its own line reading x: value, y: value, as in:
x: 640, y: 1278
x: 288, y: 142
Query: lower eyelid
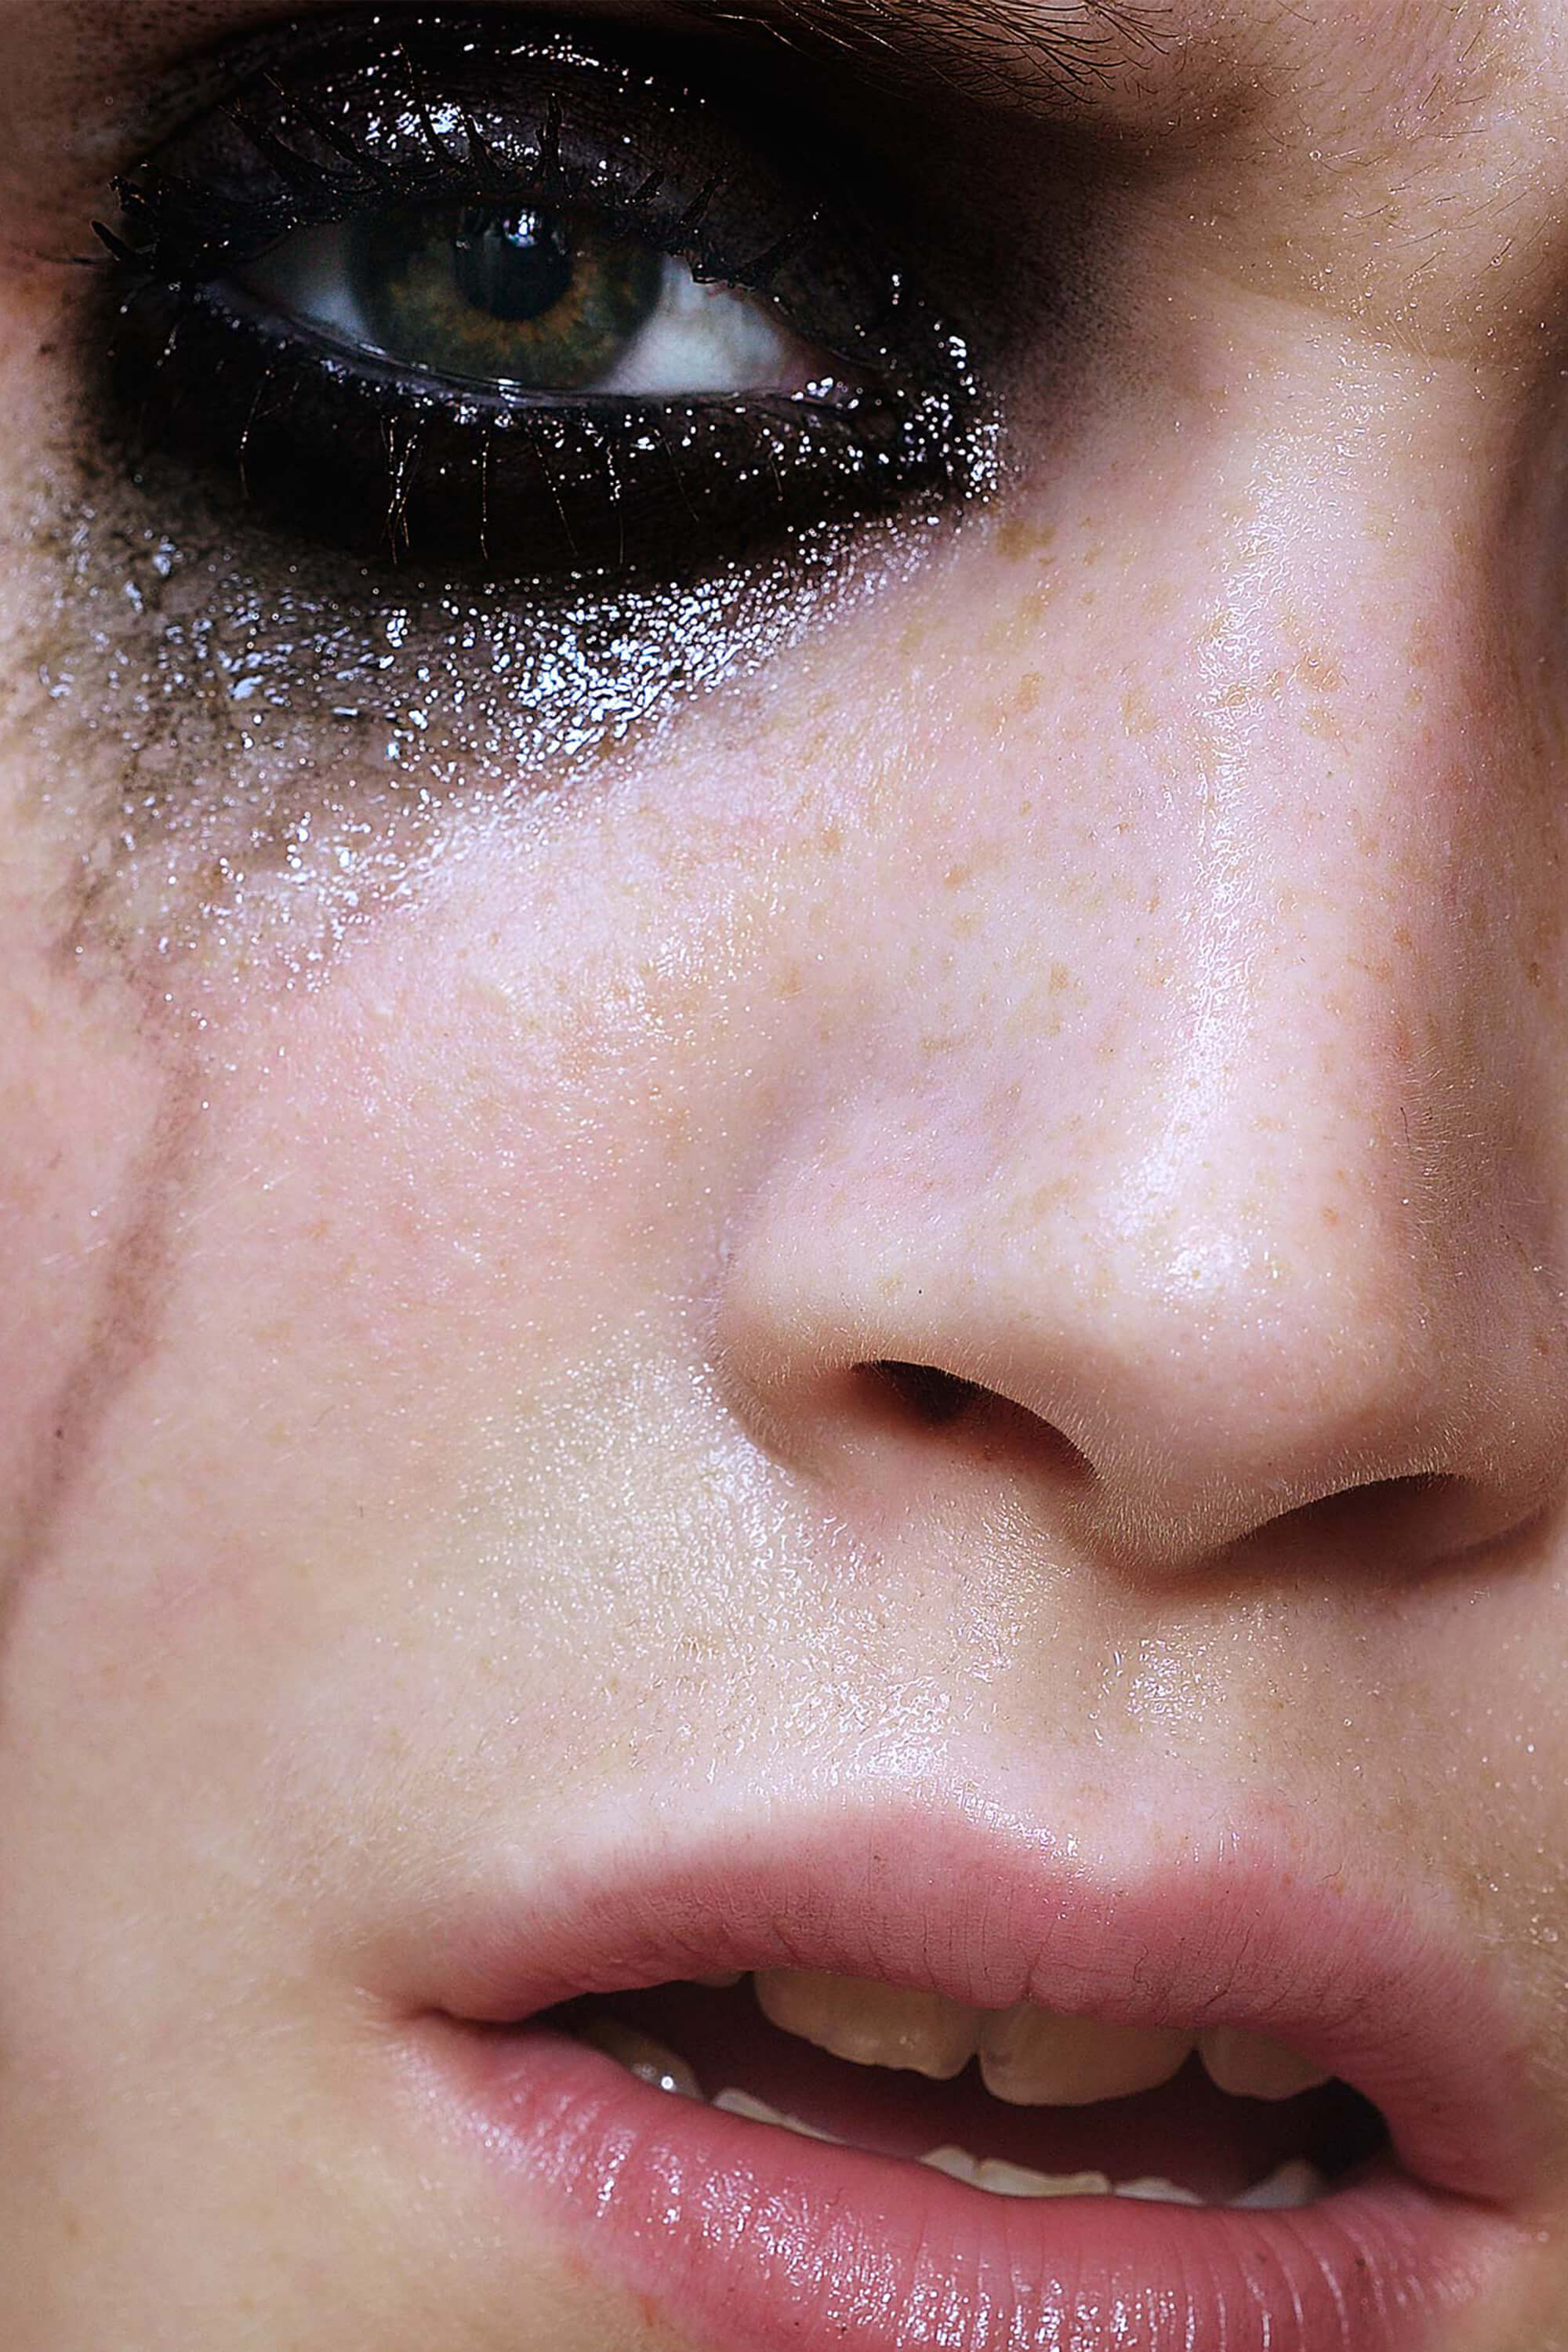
x: 612, y: 488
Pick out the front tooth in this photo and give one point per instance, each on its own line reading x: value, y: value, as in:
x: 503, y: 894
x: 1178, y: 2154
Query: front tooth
x: 648, y: 2060
x: 1030, y: 2057
x: 1295, y: 2184
x: 1014, y: 2179
x: 872, y: 2024
x: 1249, y: 2066
x: 1158, y: 2192
x: 757, y: 2111
x: 1017, y: 2180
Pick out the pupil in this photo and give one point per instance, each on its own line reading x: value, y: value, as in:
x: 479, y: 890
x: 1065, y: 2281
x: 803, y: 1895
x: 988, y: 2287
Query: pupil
x: 513, y: 265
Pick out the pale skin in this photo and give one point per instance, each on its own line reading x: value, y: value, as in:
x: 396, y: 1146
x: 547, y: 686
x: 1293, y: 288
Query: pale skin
x: 1120, y: 964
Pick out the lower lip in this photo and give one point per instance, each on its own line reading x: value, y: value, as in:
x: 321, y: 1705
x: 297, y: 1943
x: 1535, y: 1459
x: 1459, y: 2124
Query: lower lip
x: 744, y: 2236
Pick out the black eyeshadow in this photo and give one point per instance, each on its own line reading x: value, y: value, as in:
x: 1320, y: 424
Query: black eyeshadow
x: 398, y: 465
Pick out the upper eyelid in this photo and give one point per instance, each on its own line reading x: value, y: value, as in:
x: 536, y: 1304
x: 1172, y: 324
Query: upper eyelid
x: 104, y: 100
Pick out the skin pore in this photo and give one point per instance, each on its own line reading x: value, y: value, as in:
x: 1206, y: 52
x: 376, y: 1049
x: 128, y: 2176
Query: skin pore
x: 1104, y: 942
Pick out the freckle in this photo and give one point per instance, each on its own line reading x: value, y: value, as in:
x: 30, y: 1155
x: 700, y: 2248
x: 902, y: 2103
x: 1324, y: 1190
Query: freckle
x: 1137, y: 718
x: 1060, y: 978
x: 1028, y: 698
x: 830, y: 840
x: 1329, y: 1216
x: 1532, y: 973
x: 1018, y: 541
x: 956, y: 876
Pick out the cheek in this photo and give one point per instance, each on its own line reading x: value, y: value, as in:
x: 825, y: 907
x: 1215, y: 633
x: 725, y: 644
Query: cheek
x: 414, y: 1450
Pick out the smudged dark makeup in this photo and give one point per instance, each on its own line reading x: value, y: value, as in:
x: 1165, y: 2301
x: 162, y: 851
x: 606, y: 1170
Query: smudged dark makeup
x: 429, y: 134
x: 302, y: 593
x: 244, y: 755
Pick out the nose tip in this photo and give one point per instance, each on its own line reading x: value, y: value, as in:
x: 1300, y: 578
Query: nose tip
x: 1163, y: 1388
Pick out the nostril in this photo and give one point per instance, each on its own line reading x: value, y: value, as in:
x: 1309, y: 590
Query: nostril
x: 1382, y: 1507
x: 937, y: 1399
x: 1399, y: 1523
x: 929, y: 1394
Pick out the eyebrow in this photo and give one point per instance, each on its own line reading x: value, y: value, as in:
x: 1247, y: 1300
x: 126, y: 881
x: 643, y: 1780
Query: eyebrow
x: 1068, y: 51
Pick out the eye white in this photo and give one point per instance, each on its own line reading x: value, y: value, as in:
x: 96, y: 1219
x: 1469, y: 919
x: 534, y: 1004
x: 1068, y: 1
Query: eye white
x: 700, y: 339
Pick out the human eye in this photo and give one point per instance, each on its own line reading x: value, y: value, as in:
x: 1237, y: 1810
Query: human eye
x: 477, y: 297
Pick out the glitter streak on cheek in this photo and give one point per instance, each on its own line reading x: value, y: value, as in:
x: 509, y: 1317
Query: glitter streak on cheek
x: 242, y: 752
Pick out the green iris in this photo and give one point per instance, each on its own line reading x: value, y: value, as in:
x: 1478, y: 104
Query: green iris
x: 503, y: 294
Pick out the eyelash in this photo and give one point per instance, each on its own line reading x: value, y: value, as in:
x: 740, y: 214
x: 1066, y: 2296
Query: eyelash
x: 398, y: 465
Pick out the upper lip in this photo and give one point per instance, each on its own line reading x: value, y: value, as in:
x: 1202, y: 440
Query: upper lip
x: 1215, y: 1924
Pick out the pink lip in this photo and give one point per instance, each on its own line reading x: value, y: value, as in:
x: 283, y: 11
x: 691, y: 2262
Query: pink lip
x: 747, y: 2238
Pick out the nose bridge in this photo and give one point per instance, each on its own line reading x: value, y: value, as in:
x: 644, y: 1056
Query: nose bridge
x: 1302, y: 1184
x: 1328, y: 982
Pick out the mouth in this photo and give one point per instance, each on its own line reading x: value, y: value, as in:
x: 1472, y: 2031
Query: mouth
x: 916, y: 2082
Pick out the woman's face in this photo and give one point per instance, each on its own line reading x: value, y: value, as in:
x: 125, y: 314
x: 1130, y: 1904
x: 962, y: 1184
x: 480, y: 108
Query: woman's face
x: 789, y: 1197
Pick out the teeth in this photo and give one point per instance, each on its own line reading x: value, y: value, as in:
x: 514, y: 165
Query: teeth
x: 1014, y: 2179
x: 1031, y: 2058
x: 872, y: 2024
x: 757, y: 2111
x: 648, y: 2060
x: 1250, y: 2067
x: 1294, y: 2184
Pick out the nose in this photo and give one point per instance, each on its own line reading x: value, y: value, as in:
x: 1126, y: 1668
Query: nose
x: 1214, y: 1200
